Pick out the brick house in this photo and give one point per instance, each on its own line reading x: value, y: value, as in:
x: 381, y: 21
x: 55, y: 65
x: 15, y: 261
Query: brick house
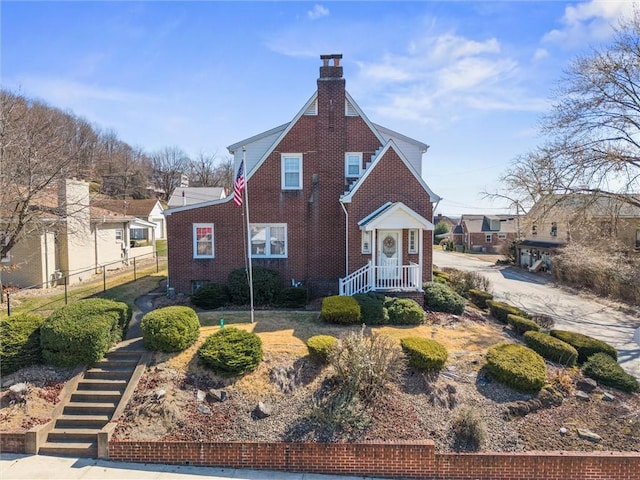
x: 336, y: 202
x: 485, y: 233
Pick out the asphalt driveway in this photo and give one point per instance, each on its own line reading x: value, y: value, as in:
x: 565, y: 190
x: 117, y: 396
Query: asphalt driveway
x: 537, y: 293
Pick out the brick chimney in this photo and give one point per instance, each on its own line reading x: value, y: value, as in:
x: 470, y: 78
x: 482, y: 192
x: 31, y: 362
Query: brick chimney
x: 331, y: 97
x: 331, y: 71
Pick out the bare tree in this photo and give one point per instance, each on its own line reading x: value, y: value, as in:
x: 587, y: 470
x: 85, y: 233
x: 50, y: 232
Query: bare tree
x: 593, y: 130
x: 224, y: 174
x: 169, y: 164
x: 202, y: 170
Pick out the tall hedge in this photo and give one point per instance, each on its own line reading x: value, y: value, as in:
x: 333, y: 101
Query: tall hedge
x: 82, y: 332
x: 20, y: 341
x: 170, y: 329
x: 584, y: 344
x: 266, y: 286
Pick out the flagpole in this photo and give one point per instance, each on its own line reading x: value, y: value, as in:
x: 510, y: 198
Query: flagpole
x: 246, y: 206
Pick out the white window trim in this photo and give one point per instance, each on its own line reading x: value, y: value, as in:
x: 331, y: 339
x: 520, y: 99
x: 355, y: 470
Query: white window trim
x: 268, y: 226
x: 502, y: 236
x: 119, y: 233
x: 346, y: 164
x: 488, y: 238
x: 282, y: 172
x: 413, y: 242
x: 365, y: 245
x: 195, y: 240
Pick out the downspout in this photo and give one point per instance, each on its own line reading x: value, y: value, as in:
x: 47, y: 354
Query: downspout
x: 46, y: 260
x: 346, y: 238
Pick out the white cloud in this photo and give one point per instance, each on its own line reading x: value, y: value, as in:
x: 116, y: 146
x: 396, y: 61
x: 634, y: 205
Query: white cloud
x: 540, y: 54
x: 318, y: 11
x: 590, y: 21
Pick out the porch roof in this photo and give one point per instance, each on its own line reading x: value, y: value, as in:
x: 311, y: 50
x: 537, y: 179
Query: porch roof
x: 394, y: 216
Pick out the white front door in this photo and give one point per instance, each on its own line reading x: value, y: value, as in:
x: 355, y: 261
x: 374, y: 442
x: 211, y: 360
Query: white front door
x: 389, y: 254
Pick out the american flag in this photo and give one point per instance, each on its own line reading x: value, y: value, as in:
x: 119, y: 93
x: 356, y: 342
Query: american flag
x: 238, y: 186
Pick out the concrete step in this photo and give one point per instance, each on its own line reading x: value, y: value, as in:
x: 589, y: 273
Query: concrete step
x: 70, y: 435
x: 89, y: 408
x: 109, y: 373
x: 98, y: 396
x: 70, y: 449
x: 81, y: 421
x: 118, y: 362
x: 93, y: 384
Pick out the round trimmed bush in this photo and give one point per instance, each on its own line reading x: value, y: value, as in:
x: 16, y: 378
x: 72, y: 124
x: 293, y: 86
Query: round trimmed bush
x: 170, y: 329
x: 320, y: 346
x: 551, y: 348
x: 424, y: 354
x: 19, y: 342
x: 606, y: 370
x: 210, y: 296
x: 585, y: 345
x: 516, y: 366
x: 266, y: 286
x: 75, y: 336
x: 479, y: 298
x: 441, y: 298
x: 341, y: 309
x: 404, y: 311
x: 372, y: 308
x: 231, y: 352
x: 501, y: 310
x: 521, y: 324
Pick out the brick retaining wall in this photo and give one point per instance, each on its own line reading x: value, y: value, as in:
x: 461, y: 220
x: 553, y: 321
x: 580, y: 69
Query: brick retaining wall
x: 387, y: 459
x: 12, y: 442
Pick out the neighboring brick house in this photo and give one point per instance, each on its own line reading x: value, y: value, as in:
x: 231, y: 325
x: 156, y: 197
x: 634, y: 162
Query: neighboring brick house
x: 335, y: 202
x: 485, y: 233
x: 558, y: 219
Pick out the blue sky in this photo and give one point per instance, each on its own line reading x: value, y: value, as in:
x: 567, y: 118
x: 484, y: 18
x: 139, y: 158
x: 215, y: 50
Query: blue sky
x: 471, y: 79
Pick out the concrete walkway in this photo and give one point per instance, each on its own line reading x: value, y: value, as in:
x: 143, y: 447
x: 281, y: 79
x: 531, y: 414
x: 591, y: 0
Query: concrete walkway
x: 38, y: 467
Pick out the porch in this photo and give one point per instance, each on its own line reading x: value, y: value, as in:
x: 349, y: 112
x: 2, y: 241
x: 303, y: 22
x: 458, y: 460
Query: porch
x: 381, y: 278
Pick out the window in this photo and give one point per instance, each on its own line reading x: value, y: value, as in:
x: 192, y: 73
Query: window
x: 119, y: 236
x: 366, y: 242
x: 554, y: 229
x: 203, y: 240
x: 487, y: 238
x: 291, y: 171
x: 413, y: 241
x: 352, y: 165
x: 269, y: 240
x: 139, y: 233
x: 502, y: 236
x: 494, y: 224
x: 534, y: 230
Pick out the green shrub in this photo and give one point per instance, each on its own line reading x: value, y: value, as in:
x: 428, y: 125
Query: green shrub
x: 231, y: 352
x: 19, y: 342
x: 585, y: 345
x: 479, y: 298
x: 551, y: 348
x: 521, y: 324
x: 604, y: 369
x: 404, y: 311
x: 341, y: 310
x: 292, y: 297
x: 463, y: 280
x: 96, y: 306
x: 266, y: 286
x: 441, y: 298
x: 500, y: 310
x: 440, y: 274
x: 372, y: 308
x: 170, y: 329
x: 441, y: 280
x: 424, y: 354
x: 210, y: 296
x: 70, y: 337
x: 516, y: 366
x: 320, y: 346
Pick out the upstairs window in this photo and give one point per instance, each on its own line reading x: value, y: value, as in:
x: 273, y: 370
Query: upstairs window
x: 353, y: 165
x: 291, y: 171
x: 494, y: 224
x: 269, y: 240
x: 203, y: 240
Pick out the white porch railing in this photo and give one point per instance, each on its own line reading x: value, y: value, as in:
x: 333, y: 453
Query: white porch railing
x: 375, y: 277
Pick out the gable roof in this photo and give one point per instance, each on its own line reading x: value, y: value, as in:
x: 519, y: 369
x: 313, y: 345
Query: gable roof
x: 182, y: 196
x: 346, y: 198
x: 482, y: 223
x: 586, y: 204
x: 137, y: 208
x: 394, y: 215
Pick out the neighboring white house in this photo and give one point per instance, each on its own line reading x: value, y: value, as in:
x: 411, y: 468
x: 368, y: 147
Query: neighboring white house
x: 149, y: 210
x: 183, y: 196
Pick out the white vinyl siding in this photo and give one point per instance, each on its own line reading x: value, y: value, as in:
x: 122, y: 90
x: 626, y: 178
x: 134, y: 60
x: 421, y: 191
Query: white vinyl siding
x: 352, y: 164
x: 269, y: 240
x: 349, y: 109
x: 413, y: 241
x: 312, y: 109
x: 291, y: 171
x: 203, y: 240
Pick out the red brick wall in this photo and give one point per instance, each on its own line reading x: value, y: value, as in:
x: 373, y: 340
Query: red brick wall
x: 12, y: 442
x: 385, y: 459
